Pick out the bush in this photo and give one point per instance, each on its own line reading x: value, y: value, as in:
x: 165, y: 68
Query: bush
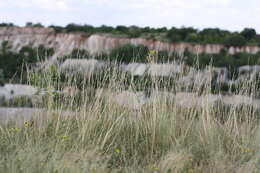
x: 128, y: 53
x: 79, y: 54
x: 213, y: 35
x: 163, y: 56
x: 19, y: 101
x: 248, y: 33
x: 57, y: 29
x: 173, y: 35
x: 183, y: 34
x: 1, y: 77
x: 235, y: 40
x: 6, y: 24
x: 13, y: 64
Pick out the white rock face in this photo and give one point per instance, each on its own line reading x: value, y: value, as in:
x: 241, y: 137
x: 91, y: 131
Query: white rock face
x: 135, y: 100
x: 19, y: 115
x: 89, y: 67
x: 64, y: 43
x: 13, y: 90
x: 86, y: 67
x: 248, y: 73
x: 167, y: 69
x: 248, y: 68
x: 135, y: 69
x: 192, y: 77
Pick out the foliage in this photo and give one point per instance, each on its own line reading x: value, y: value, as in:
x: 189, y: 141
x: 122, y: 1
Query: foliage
x: 161, y: 136
x: 80, y: 28
x: 248, y: 33
x: 15, y: 64
x: 183, y: 34
x: 2, y: 80
x: 222, y: 59
x: 6, y: 25
x: 235, y: 40
x: 213, y: 35
x: 19, y: 101
x: 57, y: 29
x: 129, y: 53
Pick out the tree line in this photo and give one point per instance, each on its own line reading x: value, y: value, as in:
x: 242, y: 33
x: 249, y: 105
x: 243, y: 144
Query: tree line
x: 174, y: 34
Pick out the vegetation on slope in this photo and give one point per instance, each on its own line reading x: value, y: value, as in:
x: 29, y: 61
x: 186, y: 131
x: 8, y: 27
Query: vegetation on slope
x: 101, y: 136
x: 14, y: 64
x: 184, y: 34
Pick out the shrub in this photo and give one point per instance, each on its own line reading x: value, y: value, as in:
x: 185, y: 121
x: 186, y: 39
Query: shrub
x: 1, y: 77
x: 173, y: 35
x: 248, y: 33
x: 235, y: 40
x: 20, y: 101
x: 128, y: 53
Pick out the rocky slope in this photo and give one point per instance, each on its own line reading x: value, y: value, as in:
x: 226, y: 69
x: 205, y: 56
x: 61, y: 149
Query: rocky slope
x: 64, y: 43
x: 88, y: 67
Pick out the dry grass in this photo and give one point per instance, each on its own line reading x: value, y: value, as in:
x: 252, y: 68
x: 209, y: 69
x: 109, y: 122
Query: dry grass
x: 159, y: 137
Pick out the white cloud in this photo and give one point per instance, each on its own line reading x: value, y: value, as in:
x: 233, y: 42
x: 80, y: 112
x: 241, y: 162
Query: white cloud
x: 226, y: 14
x: 60, y: 5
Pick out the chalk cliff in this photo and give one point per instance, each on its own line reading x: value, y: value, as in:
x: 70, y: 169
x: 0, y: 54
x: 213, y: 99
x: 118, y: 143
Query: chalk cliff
x: 64, y: 43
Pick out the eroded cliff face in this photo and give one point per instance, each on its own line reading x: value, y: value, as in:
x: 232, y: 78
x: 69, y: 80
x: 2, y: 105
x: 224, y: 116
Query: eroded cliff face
x: 64, y: 43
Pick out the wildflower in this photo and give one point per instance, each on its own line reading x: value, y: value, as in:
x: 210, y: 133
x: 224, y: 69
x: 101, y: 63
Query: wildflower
x: 152, y: 52
x: 190, y: 158
x: 43, y: 163
x: 190, y: 170
x: 247, y: 150
x: 26, y: 124
x: 117, y: 150
x: 63, y: 137
x: 156, y: 169
x: 94, y: 169
x: 19, y: 158
x: 14, y: 129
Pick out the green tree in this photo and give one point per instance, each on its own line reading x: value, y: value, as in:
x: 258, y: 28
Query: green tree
x: 248, y: 33
x: 235, y: 40
x: 176, y: 35
x: 57, y: 29
x: 6, y: 24
x: 122, y: 29
x: 38, y: 25
x: 173, y: 35
x: 134, y: 32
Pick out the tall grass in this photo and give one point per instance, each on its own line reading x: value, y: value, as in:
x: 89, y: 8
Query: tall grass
x: 101, y: 136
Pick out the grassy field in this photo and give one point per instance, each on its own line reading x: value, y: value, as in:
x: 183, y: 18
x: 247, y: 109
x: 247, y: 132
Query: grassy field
x: 103, y: 137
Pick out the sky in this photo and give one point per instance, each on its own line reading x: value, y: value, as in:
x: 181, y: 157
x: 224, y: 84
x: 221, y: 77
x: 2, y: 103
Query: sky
x: 233, y: 15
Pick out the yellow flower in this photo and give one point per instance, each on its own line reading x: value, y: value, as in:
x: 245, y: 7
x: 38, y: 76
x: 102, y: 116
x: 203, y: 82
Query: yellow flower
x: 19, y: 158
x: 190, y: 170
x: 43, y: 163
x: 152, y: 52
x: 26, y: 124
x: 190, y: 158
x: 247, y: 150
x: 14, y: 129
x: 94, y: 169
x: 156, y: 169
x: 63, y: 137
x: 117, y: 150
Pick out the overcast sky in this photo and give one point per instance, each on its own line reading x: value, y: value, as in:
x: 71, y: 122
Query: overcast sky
x: 233, y: 15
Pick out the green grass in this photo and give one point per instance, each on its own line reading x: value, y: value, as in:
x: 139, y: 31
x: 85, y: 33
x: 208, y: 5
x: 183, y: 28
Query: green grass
x: 102, y: 136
